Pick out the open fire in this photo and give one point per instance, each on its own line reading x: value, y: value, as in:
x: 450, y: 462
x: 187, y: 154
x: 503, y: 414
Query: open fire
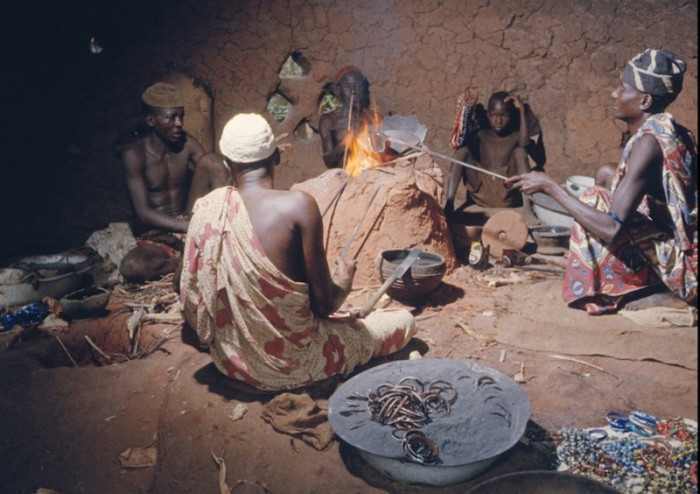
x: 361, y: 146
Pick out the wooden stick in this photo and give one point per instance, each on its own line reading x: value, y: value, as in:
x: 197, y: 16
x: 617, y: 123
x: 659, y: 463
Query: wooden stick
x: 66, y: 350
x: 561, y: 357
x: 485, y: 340
x: 97, y: 349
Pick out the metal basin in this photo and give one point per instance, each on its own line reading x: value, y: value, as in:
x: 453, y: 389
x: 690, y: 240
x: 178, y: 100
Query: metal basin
x: 85, y: 303
x: 549, y: 211
x: 32, y: 278
x: 577, y: 184
x: 488, y: 418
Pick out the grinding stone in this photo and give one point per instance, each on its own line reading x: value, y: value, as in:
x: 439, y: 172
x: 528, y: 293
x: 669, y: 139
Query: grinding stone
x: 504, y: 230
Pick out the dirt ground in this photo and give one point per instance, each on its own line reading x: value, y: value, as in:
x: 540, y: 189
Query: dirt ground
x: 68, y: 426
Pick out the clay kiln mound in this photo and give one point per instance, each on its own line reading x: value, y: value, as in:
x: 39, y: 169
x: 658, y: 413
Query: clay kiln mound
x: 404, y: 213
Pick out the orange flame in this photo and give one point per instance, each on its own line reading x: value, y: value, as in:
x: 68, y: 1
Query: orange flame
x: 360, y: 147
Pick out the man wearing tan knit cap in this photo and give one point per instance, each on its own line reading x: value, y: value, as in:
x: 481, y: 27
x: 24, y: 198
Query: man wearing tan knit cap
x: 634, y: 245
x: 256, y: 286
x: 157, y: 158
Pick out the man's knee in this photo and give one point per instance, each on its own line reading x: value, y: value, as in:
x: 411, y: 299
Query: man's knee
x: 604, y: 176
x: 145, y: 263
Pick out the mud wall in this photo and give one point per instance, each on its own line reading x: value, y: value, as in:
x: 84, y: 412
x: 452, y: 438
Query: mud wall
x: 68, y: 105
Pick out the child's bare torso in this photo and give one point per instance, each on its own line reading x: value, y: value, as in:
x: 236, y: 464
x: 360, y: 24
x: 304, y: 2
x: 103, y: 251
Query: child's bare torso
x: 496, y: 151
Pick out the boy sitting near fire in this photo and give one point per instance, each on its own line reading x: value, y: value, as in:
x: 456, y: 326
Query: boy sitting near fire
x: 501, y: 143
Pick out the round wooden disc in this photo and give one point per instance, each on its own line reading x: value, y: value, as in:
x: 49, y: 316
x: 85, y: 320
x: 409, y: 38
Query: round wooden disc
x: 504, y: 230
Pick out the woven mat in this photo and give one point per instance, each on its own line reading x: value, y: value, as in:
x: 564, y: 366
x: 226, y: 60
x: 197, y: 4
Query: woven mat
x: 537, y: 318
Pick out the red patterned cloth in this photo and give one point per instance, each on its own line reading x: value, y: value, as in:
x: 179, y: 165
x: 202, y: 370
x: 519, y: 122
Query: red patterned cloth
x: 660, y: 242
x: 258, y: 323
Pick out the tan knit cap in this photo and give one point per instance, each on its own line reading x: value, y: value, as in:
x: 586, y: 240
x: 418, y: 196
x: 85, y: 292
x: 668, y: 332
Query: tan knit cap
x: 163, y: 95
x: 247, y: 138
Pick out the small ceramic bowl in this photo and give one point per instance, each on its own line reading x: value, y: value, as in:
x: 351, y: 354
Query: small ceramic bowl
x: 552, y: 240
x: 576, y: 184
x: 418, y: 282
x: 85, y: 303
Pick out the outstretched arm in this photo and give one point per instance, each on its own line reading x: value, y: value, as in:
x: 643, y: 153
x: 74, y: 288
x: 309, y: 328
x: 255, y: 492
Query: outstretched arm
x: 643, y: 171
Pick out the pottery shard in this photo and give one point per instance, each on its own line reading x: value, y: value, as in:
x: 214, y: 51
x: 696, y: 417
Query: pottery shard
x: 395, y: 207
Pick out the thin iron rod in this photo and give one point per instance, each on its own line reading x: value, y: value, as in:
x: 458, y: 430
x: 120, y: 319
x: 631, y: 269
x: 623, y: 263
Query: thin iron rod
x: 449, y: 158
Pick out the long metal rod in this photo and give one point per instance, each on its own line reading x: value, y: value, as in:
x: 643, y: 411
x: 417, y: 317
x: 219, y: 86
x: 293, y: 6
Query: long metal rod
x: 345, y: 151
x: 449, y: 158
x: 354, y: 232
x: 333, y: 200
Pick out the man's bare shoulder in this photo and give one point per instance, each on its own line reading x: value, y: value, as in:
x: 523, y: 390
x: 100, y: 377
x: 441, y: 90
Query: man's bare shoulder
x: 134, y: 151
x: 295, y: 204
x: 192, y: 145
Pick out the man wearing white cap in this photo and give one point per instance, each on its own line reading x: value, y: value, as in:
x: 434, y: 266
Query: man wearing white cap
x: 636, y: 246
x: 156, y: 159
x: 256, y: 285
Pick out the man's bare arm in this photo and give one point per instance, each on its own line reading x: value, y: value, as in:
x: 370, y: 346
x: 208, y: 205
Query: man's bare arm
x: 642, y: 170
x: 332, y: 151
x: 326, y: 295
x: 211, y: 172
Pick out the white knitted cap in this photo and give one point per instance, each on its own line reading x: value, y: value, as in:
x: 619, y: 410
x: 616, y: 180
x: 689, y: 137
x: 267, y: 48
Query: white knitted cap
x: 247, y: 138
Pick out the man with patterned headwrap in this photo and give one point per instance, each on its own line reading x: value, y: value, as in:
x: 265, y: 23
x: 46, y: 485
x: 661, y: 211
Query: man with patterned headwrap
x: 255, y: 283
x: 636, y: 246
x: 156, y: 158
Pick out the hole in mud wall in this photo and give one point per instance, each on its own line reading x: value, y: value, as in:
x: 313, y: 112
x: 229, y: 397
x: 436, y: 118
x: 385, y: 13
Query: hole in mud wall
x: 295, y: 66
x: 304, y: 130
x: 327, y: 100
x: 278, y: 106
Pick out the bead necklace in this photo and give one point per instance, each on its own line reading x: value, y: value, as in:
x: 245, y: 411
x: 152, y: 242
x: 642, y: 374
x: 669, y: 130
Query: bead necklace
x: 632, y: 458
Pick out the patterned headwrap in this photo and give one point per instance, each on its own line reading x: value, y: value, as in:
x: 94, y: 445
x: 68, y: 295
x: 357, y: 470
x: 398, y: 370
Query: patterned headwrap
x: 656, y: 72
x: 163, y: 95
x: 247, y: 138
x: 345, y: 70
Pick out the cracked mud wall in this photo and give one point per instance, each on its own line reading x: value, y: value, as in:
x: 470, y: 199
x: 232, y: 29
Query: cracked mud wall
x: 561, y: 57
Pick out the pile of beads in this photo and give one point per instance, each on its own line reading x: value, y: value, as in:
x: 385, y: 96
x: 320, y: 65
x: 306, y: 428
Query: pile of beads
x: 641, y: 454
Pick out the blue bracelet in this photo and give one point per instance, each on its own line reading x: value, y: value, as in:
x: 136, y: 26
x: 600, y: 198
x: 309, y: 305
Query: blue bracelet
x: 640, y: 431
x: 615, y: 217
x: 643, y: 419
x: 618, y: 422
x: 597, y: 435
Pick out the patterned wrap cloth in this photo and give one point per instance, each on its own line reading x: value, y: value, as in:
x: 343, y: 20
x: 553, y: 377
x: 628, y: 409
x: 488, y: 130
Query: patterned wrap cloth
x: 258, y: 323
x: 660, y: 241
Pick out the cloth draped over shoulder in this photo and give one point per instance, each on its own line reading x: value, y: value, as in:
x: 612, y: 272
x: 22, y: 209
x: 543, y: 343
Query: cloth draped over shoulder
x: 258, y: 323
x: 660, y: 241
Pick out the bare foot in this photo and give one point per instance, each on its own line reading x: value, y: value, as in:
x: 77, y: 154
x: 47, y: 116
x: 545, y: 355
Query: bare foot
x: 664, y: 299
